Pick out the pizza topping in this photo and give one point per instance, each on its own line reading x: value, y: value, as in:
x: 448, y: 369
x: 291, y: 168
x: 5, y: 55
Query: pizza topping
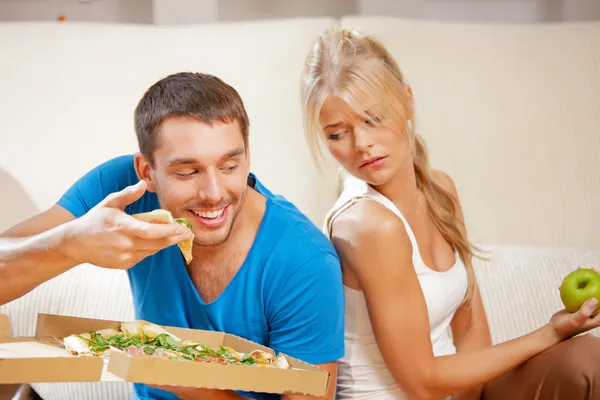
x: 183, y: 221
x: 161, y: 216
x: 140, y: 338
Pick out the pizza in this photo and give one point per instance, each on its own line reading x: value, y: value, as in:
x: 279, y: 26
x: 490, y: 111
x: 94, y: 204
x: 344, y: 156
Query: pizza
x: 161, y: 216
x: 144, y: 339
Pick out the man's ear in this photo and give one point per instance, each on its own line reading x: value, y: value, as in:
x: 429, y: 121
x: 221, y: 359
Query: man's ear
x: 143, y: 169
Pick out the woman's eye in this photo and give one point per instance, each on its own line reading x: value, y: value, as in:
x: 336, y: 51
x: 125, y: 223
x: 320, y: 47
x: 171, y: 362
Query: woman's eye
x: 336, y: 135
x: 373, y: 121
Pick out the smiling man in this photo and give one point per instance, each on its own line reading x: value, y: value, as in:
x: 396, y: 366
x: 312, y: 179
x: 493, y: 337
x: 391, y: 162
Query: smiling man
x: 260, y: 268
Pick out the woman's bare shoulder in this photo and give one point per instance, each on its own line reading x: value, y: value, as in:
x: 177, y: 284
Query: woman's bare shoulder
x: 364, y: 218
x: 368, y: 230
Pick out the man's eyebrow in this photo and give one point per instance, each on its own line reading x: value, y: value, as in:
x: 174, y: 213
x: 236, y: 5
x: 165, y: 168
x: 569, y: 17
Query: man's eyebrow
x: 233, y: 153
x: 189, y: 160
x: 182, y: 161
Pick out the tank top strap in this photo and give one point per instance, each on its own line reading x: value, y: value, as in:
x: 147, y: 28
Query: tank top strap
x: 387, y: 203
x: 353, y: 190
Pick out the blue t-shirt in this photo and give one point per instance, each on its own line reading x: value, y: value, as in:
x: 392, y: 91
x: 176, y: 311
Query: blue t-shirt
x: 287, y: 294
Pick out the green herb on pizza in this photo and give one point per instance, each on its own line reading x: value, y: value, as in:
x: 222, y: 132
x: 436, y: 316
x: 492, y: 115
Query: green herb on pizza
x: 140, y: 338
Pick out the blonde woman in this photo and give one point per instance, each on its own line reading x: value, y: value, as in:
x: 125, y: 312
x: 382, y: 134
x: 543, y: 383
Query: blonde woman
x: 415, y: 323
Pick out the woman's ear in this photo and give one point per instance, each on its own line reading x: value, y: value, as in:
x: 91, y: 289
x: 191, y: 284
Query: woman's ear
x: 143, y: 169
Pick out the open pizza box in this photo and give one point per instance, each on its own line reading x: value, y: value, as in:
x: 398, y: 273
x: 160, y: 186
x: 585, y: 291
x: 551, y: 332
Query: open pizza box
x: 4, y: 325
x: 43, y: 358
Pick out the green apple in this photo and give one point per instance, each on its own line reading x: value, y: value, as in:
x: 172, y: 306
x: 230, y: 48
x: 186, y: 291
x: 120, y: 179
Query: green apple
x: 578, y: 286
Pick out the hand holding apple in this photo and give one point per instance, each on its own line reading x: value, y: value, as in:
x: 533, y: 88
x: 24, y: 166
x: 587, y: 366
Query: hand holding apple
x: 578, y: 286
x: 580, y: 293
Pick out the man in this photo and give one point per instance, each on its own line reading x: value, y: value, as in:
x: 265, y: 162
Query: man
x: 260, y: 269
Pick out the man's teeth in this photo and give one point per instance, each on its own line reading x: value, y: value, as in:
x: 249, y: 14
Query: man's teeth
x: 209, y: 214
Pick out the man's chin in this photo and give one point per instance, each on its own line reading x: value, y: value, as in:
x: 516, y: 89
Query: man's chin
x: 214, y: 238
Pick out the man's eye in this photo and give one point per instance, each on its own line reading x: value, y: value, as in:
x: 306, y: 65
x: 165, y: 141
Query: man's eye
x: 230, y: 167
x: 185, y: 174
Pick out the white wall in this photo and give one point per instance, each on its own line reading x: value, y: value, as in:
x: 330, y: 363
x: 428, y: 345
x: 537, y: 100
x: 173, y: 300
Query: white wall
x: 491, y: 11
x: 171, y: 12
x: 514, y: 11
x: 581, y: 10
x: 235, y: 10
x: 122, y: 11
x: 168, y: 12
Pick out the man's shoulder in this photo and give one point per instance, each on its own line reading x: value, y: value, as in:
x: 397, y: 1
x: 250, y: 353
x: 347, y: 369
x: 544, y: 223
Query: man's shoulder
x: 119, y: 169
x: 295, y: 238
x: 110, y: 176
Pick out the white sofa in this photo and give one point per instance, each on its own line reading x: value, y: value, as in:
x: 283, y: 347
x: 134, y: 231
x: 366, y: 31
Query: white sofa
x: 510, y: 111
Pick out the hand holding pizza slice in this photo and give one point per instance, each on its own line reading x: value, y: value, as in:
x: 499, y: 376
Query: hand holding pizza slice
x: 108, y: 237
x: 161, y: 216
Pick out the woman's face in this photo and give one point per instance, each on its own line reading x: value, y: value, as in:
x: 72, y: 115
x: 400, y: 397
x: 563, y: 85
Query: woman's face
x: 372, y: 150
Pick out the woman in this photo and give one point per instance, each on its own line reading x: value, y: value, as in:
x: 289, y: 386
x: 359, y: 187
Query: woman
x: 415, y: 323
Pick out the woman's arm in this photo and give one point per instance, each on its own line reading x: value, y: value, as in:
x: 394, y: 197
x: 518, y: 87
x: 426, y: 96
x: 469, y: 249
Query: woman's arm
x: 373, y: 243
x: 470, y: 329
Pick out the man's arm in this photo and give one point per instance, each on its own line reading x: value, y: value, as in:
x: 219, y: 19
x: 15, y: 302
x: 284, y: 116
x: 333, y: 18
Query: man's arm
x: 53, y: 242
x: 30, y: 253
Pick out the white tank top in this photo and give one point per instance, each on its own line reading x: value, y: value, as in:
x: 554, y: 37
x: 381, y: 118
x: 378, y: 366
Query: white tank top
x: 362, y: 373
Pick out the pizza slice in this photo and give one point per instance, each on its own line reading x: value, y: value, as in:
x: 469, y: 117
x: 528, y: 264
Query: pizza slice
x: 186, y: 245
x: 146, y: 329
x: 264, y: 359
x: 136, y: 334
x: 87, y: 343
x: 161, y: 216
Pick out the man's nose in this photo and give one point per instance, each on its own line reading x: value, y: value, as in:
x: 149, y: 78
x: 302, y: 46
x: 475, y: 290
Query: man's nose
x: 211, y: 189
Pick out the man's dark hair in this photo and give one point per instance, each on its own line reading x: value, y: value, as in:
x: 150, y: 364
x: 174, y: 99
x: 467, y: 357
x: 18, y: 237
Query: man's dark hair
x: 201, y: 96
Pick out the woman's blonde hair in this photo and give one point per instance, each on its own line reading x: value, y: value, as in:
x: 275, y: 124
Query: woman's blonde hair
x: 361, y: 71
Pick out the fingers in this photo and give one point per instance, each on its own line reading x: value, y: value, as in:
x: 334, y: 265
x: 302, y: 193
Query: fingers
x: 585, y: 312
x: 126, y: 196
x: 154, y: 245
x: 592, y: 322
x: 174, y: 233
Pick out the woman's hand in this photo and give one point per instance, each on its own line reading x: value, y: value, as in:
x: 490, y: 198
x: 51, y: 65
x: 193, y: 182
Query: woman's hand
x: 566, y: 325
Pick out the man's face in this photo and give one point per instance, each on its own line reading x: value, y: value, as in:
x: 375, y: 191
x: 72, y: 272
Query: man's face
x: 201, y: 173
